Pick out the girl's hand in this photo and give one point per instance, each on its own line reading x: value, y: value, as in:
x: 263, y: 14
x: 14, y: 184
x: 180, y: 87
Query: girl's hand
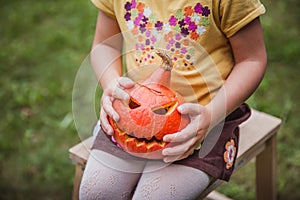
x: 114, y: 91
x: 184, y: 142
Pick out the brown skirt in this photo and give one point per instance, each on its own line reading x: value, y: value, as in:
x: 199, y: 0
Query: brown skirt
x: 216, y: 156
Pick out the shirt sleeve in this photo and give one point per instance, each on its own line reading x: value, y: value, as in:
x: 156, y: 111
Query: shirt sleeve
x: 107, y: 6
x: 235, y: 14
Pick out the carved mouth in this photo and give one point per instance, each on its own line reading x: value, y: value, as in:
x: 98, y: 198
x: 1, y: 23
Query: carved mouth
x: 141, y: 144
x: 144, y: 140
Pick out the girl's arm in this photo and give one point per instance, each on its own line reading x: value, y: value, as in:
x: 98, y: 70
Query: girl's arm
x: 106, y: 61
x: 106, y: 49
x: 250, y: 65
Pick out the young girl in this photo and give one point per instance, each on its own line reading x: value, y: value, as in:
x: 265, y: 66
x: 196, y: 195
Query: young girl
x: 218, y: 53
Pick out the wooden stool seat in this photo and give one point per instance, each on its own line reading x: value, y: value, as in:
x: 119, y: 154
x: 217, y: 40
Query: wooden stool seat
x: 257, y: 140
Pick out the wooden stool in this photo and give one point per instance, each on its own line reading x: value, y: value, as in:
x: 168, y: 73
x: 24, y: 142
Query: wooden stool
x: 257, y: 140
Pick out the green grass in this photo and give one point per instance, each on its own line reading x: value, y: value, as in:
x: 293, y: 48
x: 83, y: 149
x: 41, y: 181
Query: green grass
x: 279, y: 95
x: 43, y: 44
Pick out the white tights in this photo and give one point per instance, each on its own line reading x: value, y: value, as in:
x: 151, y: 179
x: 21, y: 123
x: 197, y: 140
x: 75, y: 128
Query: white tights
x: 109, y: 177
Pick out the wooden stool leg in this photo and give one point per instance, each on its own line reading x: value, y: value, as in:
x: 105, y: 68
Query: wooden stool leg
x: 266, y: 171
x: 77, y: 180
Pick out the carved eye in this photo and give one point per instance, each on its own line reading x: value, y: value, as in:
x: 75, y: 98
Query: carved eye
x: 133, y: 103
x: 165, y: 109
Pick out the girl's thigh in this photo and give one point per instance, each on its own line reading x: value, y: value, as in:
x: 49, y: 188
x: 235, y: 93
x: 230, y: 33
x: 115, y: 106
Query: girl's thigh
x: 171, y: 182
x: 109, y: 177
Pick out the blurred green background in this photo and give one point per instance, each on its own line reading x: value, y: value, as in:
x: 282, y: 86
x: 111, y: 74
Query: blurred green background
x: 42, y: 45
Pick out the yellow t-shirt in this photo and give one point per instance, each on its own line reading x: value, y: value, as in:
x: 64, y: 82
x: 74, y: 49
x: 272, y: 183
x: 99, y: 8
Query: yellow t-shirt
x: 194, y: 33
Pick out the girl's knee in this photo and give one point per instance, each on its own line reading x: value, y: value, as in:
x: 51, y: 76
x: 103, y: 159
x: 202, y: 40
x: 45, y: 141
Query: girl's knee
x: 102, y: 181
x: 91, y: 187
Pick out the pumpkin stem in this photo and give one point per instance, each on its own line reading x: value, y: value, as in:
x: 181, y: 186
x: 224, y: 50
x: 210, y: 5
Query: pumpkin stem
x: 162, y: 75
x: 167, y: 63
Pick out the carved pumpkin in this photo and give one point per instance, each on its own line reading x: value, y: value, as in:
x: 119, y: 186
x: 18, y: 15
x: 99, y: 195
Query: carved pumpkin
x: 150, y: 114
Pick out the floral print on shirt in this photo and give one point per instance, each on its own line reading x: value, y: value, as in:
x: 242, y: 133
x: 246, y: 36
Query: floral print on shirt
x: 176, y: 34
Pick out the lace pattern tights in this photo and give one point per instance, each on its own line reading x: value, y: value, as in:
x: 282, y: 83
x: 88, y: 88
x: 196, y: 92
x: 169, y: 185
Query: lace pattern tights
x: 119, y: 179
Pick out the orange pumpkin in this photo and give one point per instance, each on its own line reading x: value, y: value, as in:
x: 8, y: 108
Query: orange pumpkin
x: 150, y: 114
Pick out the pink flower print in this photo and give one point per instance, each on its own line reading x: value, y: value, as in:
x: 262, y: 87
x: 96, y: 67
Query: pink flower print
x: 173, y: 21
x: 148, y: 33
x: 192, y: 26
x: 178, y: 36
x: 153, y: 39
x: 136, y: 21
x: 168, y: 47
x: 183, y: 50
x: 172, y: 41
x: 198, y: 8
x: 205, y: 11
x: 187, y: 20
x: 133, y: 4
x: 140, y: 16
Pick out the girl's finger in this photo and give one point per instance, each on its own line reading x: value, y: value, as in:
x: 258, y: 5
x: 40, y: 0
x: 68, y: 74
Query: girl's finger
x: 174, y: 158
x: 105, y: 123
x: 188, y: 132
x: 125, y: 82
x: 180, y: 148
x: 119, y: 93
x: 190, y: 108
x: 109, y: 110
